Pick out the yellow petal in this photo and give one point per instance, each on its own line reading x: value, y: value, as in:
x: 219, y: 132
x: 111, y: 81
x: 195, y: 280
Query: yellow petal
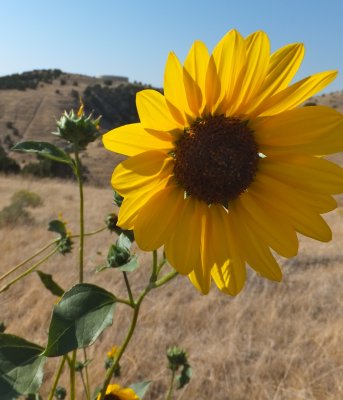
x: 314, y: 130
x: 174, y: 90
x: 154, y: 113
x: 229, y: 272
x: 196, y: 63
x: 255, y: 70
x: 193, y: 93
x: 201, y: 275
x: 257, y: 252
x: 283, y: 65
x: 295, y: 94
x: 229, y: 56
x: 134, y: 202
x: 158, y: 218
x: 183, y: 247
x: 142, y: 170
x: 132, y: 139
x: 305, y: 172
x: 293, y: 205
x: 272, y: 226
x: 212, y: 86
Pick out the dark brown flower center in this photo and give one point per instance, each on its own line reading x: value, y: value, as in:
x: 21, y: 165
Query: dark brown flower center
x: 216, y: 159
x: 111, y: 397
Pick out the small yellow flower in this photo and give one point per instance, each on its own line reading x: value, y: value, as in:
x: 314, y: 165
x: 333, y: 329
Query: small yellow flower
x: 113, y: 352
x: 225, y: 167
x: 80, y: 111
x: 116, y: 392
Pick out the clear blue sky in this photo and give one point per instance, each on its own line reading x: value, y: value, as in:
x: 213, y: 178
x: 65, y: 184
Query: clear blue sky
x: 133, y: 38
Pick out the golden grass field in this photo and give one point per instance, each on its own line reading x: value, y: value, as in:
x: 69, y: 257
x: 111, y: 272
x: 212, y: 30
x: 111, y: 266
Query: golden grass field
x: 273, y: 341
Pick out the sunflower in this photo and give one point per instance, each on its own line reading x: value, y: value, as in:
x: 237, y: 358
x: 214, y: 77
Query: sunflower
x: 116, y: 392
x: 224, y: 169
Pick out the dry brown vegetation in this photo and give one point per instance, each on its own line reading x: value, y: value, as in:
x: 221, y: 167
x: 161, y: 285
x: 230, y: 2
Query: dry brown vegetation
x: 273, y: 341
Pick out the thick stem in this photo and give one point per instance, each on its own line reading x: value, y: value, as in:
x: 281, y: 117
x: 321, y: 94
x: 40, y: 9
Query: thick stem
x: 128, y: 287
x: 78, y: 172
x: 72, y: 375
x: 28, y: 271
x: 86, y: 373
x: 136, y: 308
x: 171, y: 387
x: 27, y: 260
x: 57, y: 378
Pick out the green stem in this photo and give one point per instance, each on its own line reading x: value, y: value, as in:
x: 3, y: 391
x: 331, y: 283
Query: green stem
x: 161, y: 265
x: 128, y: 287
x: 94, y: 232
x: 57, y: 378
x: 86, y: 373
x: 84, y: 385
x: 72, y: 375
x: 28, y: 271
x: 170, y: 392
x: 153, y: 277
x: 78, y: 171
x: 27, y: 260
x: 136, y: 308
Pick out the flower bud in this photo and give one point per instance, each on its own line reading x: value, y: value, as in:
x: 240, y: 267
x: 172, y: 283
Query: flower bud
x: 78, y: 128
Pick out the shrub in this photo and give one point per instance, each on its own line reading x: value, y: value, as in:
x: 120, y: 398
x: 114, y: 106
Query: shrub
x: 7, y: 164
x: 16, y: 212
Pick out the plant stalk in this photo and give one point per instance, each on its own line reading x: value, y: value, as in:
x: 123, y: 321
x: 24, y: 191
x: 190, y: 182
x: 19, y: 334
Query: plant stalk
x: 38, y: 263
x: 57, y: 378
x: 27, y: 260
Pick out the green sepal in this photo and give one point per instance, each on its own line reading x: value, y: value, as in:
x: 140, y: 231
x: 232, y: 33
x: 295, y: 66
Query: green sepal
x: 44, y: 149
x: 50, y: 284
x: 132, y: 265
x: 140, y: 388
x: 185, y: 376
x: 21, y: 366
x: 57, y: 226
x: 79, y: 318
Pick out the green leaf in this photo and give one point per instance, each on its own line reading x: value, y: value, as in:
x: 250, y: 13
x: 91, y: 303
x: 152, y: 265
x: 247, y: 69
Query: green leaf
x: 44, y: 149
x: 140, y: 388
x: 123, y: 242
x: 21, y: 366
x: 50, y: 284
x: 57, y: 226
x: 185, y: 376
x: 130, y: 266
x: 79, y: 318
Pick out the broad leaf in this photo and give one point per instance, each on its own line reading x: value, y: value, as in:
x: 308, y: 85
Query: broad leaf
x: 140, y: 388
x: 21, y: 366
x: 50, y: 284
x: 79, y: 318
x: 44, y: 149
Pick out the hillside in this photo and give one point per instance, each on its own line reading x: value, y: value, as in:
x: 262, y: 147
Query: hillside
x: 31, y: 114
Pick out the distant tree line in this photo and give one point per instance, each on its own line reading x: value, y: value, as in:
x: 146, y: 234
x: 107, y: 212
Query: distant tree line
x: 29, y: 80
x: 117, y: 105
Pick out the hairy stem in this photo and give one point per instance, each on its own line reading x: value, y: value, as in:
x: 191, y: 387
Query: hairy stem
x: 171, y: 386
x: 136, y: 307
x: 78, y: 171
x: 57, y: 378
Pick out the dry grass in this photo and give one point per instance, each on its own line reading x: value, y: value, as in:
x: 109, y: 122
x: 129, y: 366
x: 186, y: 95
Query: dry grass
x: 273, y: 341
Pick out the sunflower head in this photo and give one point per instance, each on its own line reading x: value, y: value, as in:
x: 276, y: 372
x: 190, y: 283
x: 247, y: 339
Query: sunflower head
x: 224, y: 167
